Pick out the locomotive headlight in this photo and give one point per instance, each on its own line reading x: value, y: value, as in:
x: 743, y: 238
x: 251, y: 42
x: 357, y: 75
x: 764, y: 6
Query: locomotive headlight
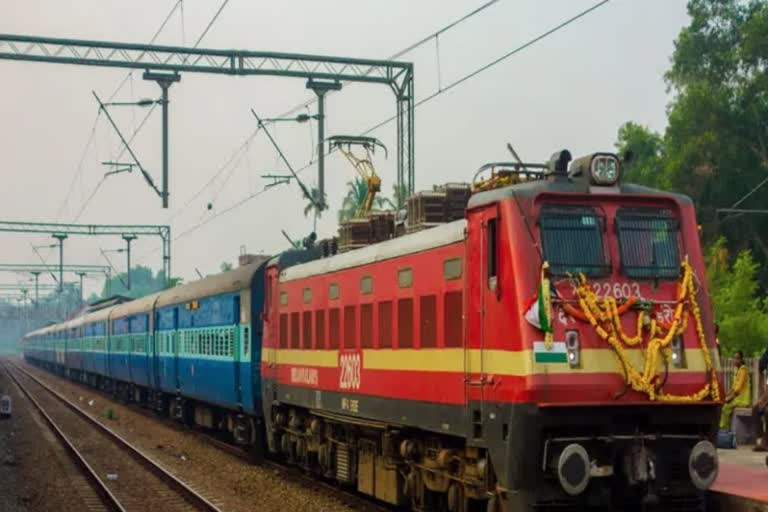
x: 703, y: 465
x: 604, y: 169
x: 573, y: 348
x: 677, y: 352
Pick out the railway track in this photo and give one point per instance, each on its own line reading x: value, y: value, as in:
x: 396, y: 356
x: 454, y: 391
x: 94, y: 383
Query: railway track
x: 287, y: 472
x: 123, y: 477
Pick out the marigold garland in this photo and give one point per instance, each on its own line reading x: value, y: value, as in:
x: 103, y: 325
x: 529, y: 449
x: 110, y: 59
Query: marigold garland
x: 605, y: 317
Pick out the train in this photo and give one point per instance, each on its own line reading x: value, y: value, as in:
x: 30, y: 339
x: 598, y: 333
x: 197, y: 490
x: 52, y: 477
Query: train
x: 553, y: 349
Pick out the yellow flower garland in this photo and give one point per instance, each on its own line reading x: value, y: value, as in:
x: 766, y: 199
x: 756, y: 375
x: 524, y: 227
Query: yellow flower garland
x: 604, y: 316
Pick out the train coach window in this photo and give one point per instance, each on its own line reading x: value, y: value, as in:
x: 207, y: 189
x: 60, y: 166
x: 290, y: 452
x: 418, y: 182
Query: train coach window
x: 648, y: 243
x: 572, y: 240
x: 333, y: 291
x: 283, y: 298
x: 307, y: 295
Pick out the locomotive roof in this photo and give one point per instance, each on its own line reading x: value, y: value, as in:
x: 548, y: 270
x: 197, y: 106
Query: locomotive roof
x: 563, y: 185
x: 441, y: 235
x: 225, y: 282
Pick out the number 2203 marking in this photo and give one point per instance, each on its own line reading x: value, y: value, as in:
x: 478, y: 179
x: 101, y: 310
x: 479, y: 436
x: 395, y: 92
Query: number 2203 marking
x: 349, y: 377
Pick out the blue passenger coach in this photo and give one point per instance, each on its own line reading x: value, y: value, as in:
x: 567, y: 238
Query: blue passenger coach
x: 193, y: 351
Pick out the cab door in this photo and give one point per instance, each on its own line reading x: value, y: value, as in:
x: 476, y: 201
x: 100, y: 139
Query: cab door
x: 483, y: 288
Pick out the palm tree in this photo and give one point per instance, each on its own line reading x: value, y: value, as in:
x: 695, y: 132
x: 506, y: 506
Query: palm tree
x: 354, y: 199
x: 314, y: 205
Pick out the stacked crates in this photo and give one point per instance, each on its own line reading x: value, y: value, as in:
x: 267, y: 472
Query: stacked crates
x: 445, y: 203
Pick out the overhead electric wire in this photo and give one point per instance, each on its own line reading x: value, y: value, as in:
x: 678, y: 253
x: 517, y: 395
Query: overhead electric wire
x: 154, y: 105
x: 432, y: 96
x: 306, y: 104
x: 122, y: 83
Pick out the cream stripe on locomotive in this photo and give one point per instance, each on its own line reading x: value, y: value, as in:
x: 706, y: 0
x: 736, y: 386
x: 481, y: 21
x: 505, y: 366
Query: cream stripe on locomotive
x: 498, y: 362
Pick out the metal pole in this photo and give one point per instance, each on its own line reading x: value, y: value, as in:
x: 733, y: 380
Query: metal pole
x: 128, y: 239
x: 164, y: 86
x: 321, y: 145
x: 320, y: 88
x: 164, y: 80
x: 61, y: 238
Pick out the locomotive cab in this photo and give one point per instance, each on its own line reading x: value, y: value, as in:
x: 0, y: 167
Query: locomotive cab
x: 591, y: 340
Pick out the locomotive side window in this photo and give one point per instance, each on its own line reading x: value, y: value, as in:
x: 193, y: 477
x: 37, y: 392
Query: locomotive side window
x: 492, y: 250
x: 648, y: 243
x: 572, y: 240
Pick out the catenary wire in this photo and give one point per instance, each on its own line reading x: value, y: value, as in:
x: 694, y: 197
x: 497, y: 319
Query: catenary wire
x: 432, y: 96
x: 308, y: 103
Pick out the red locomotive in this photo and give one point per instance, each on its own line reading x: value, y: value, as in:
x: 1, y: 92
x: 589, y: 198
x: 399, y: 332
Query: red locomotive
x: 554, y: 349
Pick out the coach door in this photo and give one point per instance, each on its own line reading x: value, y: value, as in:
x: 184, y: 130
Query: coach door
x: 482, y: 287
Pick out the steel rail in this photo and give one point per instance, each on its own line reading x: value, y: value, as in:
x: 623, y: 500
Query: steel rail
x: 191, y: 496
x: 109, y: 499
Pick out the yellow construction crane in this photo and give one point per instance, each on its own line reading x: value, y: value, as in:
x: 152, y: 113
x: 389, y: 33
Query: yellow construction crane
x: 363, y: 165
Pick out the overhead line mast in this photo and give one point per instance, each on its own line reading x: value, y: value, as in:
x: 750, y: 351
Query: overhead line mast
x: 397, y: 75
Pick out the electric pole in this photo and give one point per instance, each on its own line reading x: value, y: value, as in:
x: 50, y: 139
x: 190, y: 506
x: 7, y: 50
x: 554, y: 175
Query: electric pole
x: 128, y: 239
x: 320, y: 89
x: 61, y: 237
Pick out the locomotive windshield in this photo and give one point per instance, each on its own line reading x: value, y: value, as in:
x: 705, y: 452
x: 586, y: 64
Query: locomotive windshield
x: 572, y: 240
x: 648, y: 243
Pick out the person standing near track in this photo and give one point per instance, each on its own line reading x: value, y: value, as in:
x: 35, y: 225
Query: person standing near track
x: 739, y: 395
x: 760, y: 410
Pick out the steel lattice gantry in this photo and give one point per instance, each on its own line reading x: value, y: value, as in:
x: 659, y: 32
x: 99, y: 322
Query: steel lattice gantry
x: 164, y: 232
x: 398, y: 75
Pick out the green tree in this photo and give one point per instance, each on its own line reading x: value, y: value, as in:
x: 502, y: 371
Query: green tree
x: 647, y: 148
x: 739, y: 311
x: 715, y: 147
x: 356, y: 191
x: 225, y: 266
x: 314, y: 206
x: 143, y: 282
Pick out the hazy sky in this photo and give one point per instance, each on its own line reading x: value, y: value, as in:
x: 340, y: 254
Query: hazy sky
x: 571, y: 90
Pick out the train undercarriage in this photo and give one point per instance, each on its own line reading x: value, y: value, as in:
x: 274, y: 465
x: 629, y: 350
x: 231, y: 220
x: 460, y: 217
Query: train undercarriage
x: 556, y: 458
